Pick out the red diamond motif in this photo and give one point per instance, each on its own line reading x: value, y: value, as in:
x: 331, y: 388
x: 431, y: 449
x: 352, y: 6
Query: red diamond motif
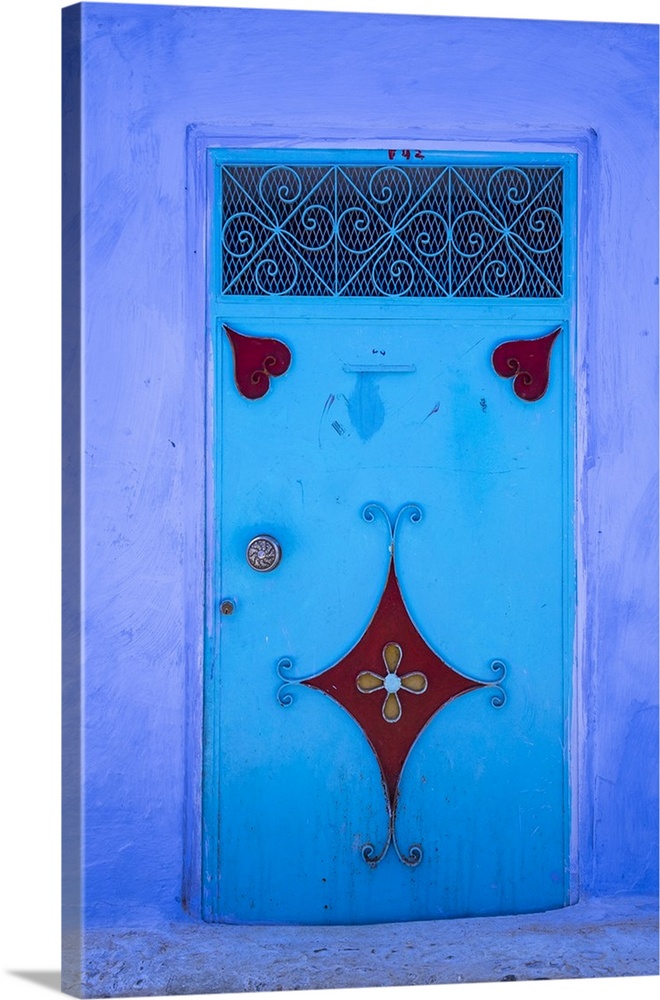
x: 392, y: 683
x: 392, y: 650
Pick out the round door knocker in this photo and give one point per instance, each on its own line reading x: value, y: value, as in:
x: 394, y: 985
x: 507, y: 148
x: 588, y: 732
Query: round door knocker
x: 264, y: 553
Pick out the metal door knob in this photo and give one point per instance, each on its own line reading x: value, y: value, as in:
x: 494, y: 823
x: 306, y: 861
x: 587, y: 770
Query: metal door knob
x: 264, y: 553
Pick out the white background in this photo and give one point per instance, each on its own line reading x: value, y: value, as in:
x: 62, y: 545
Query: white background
x: 29, y: 488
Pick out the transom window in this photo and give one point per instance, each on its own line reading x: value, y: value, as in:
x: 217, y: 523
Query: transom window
x: 426, y: 231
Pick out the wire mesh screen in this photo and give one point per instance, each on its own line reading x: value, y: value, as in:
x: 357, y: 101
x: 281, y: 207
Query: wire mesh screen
x: 393, y: 231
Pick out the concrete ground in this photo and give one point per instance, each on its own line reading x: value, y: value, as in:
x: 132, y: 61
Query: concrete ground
x: 614, y: 936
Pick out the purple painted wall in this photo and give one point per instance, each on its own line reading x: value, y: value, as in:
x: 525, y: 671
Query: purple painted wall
x: 288, y: 78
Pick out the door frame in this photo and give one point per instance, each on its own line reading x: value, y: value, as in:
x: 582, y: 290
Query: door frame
x: 580, y: 149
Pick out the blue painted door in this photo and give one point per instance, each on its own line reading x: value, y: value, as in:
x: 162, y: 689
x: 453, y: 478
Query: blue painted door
x: 391, y: 571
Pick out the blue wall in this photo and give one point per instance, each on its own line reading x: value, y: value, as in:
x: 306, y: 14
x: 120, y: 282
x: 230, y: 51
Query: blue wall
x: 278, y: 78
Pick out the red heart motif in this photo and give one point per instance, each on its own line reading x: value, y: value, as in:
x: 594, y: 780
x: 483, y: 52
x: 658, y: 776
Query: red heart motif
x: 527, y: 362
x: 256, y: 361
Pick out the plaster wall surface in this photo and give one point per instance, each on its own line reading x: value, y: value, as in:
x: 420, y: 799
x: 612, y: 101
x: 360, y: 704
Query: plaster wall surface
x: 153, y: 78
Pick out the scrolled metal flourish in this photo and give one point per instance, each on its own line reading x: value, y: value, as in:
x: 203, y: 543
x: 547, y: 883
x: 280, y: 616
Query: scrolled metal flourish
x: 413, y: 510
x: 282, y: 185
x: 514, y: 181
x: 392, y: 231
x: 388, y: 177
x: 497, y: 271
x: 274, y: 271
x: 284, y: 696
x: 499, y: 698
x: 393, y: 278
x: 371, y: 509
x: 414, y: 856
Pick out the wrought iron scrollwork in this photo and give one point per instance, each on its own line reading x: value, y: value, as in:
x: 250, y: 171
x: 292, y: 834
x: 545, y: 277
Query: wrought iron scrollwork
x: 393, y: 231
x: 499, y: 697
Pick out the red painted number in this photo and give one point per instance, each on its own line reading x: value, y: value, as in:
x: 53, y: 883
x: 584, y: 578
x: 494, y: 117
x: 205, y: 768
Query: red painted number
x: 405, y: 153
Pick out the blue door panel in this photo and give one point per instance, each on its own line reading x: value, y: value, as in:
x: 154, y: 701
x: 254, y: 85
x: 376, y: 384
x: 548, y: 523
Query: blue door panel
x: 389, y: 403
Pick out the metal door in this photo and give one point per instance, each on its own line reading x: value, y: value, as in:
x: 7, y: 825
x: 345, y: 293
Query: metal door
x: 391, y: 570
